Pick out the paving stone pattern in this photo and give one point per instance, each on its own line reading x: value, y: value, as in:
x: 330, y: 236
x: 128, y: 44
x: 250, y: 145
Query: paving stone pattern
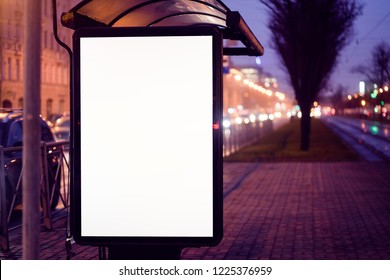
x: 278, y: 211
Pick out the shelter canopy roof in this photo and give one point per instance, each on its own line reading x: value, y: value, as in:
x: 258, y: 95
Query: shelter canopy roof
x: 132, y: 13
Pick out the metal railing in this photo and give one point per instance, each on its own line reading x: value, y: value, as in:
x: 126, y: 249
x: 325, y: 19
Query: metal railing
x: 54, y: 183
x: 237, y: 136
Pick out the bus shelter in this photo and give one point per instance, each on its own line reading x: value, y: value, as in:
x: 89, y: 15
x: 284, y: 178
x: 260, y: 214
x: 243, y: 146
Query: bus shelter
x: 142, y: 13
x: 156, y: 66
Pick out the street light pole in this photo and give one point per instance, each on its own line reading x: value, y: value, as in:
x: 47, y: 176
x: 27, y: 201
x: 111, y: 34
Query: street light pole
x: 31, y: 129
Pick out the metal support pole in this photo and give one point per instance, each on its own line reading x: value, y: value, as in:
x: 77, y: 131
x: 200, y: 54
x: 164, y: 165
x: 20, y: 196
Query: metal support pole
x: 2, y: 35
x: 46, y: 194
x: 32, y: 130
x: 4, y: 241
x: 69, y: 237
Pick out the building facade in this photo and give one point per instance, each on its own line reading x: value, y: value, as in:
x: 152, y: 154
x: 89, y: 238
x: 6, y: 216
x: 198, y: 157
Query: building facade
x: 55, y: 61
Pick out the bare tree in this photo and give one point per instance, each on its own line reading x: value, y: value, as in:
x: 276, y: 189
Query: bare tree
x: 308, y: 35
x: 336, y: 98
x: 378, y: 71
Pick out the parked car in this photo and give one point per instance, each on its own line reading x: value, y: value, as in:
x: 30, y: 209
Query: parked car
x: 11, y: 135
x: 61, y: 128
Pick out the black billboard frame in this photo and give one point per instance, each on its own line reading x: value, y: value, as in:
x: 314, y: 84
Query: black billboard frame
x: 75, y: 147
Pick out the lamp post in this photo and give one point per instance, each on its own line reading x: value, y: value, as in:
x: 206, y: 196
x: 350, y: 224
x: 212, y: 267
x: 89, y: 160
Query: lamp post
x: 31, y: 130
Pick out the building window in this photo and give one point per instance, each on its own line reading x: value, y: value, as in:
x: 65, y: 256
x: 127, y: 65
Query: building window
x: 61, y: 106
x: 49, y: 108
x: 45, y: 39
x: 66, y: 78
x: 20, y: 103
x: 53, y: 74
x: 9, y: 34
x: 46, y: 78
x: 45, y: 8
x: 59, y: 75
x: 3, y: 70
x: 51, y: 41
x: 18, y: 69
x: 7, y: 103
x: 9, y: 62
x: 18, y: 33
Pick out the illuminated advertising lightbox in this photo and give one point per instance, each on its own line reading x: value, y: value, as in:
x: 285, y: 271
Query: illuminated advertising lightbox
x: 146, y: 142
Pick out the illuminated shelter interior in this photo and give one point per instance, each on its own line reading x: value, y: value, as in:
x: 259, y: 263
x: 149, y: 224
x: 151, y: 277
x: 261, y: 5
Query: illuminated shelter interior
x: 143, y: 13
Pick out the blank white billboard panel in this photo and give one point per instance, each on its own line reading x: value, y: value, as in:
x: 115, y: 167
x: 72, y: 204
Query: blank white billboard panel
x: 146, y: 155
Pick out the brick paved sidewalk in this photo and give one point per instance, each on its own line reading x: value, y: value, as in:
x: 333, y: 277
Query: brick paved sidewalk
x: 283, y: 211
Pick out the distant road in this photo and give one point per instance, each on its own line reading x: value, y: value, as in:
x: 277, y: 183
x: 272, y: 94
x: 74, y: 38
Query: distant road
x: 370, y: 139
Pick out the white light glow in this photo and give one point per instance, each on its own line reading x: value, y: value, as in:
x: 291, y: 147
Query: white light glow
x: 144, y: 188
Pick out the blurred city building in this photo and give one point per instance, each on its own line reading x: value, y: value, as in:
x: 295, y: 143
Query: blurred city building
x: 251, y: 91
x: 246, y: 89
x: 55, y: 64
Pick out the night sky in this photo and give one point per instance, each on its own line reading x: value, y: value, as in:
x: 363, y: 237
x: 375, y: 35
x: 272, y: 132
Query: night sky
x: 372, y: 27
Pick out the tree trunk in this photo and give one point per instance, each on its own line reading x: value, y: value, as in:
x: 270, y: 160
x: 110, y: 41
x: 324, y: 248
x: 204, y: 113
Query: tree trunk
x: 305, y: 127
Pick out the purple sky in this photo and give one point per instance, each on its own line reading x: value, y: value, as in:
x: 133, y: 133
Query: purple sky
x: 372, y: 27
